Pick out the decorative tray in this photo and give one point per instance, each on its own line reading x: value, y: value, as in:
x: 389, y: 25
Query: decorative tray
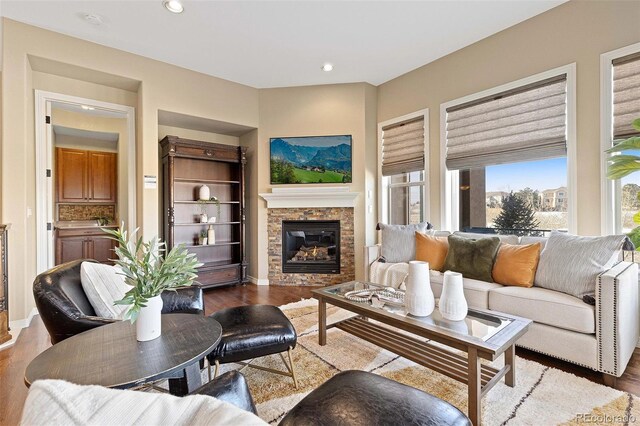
x: 378, y: 297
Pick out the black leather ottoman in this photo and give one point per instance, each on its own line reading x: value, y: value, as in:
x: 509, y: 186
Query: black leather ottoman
x: 254, y: 331
x: 361, y: 398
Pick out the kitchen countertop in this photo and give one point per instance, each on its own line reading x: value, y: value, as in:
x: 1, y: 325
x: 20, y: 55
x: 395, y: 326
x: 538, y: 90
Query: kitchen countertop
x: 75, y: 224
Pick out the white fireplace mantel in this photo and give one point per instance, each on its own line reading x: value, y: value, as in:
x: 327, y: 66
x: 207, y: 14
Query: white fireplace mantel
x: 298, y: 197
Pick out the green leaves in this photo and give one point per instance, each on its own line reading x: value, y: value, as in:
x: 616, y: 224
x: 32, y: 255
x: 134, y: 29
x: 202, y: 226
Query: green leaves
x: 147, y: 271
x: 622, y: 165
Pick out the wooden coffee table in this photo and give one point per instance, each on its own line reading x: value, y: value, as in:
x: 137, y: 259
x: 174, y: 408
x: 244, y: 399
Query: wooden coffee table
x: 111, y: 356
x: 483, y: 334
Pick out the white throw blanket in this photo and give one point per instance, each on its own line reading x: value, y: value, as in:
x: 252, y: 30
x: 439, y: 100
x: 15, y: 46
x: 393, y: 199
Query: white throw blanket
x: 56, y: 402
x: 389, y: 274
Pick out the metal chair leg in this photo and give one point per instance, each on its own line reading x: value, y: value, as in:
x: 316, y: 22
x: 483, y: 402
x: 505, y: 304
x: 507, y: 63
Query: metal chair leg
x: 293, y: 371
x: 215, y: 373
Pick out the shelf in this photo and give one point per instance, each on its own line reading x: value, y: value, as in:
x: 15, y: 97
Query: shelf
x: 200, y: 224
x: 196, y: 202
x: 218, y: 244
x: 212, y: 181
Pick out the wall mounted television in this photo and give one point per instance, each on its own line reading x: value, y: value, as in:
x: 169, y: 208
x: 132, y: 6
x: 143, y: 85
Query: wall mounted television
x: 311, y: 159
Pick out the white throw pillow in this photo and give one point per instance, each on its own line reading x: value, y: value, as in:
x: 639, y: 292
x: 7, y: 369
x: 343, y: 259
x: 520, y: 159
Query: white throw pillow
x: 571, y: 264
x: 56, y: 402
x: 103, y: 285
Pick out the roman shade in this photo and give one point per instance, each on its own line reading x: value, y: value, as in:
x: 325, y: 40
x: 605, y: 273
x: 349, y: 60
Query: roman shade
x: 403, y: 147
x: 626, y: 95
x: 523, y: 124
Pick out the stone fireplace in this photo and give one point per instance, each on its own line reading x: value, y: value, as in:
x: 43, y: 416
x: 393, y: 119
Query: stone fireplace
x: 346, y: 256
x: 310, y: 233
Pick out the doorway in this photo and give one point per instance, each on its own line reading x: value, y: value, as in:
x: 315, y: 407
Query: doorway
x: 79, y: 117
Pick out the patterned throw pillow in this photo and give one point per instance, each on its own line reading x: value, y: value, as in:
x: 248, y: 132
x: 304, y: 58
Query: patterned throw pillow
x: 399, y: 241
x: 571, y: 264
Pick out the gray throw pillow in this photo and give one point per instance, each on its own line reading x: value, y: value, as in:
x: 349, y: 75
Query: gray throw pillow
x: 571, y: 264
x: 473, y: 258
x: 399, y: 241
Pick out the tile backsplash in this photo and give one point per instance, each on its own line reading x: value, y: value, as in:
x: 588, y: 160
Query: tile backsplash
x: 85, y: 211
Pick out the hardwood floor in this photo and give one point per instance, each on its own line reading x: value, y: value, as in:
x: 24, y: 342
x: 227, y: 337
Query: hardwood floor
x: 34, y: 339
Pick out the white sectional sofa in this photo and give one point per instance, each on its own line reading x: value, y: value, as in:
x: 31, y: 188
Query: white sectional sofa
x: 601, y: 337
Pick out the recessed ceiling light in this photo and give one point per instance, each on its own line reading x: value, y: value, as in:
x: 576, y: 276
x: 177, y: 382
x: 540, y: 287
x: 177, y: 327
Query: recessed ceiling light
x: 92, y: 18
x: 327, y: 67
x: 174, y: 6
x: 87, y: 107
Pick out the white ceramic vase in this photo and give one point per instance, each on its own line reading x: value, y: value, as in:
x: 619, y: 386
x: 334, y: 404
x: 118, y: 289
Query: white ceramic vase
x: 211, y: 235
x: 204, y: 193
x: 418, y: 297
x: 204, y: 218
x: 149, y: 323
x: 453, y: 306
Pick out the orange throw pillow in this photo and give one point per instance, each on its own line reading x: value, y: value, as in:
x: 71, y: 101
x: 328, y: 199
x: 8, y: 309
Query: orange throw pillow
x: 432, y: 249
x: 516, y: 265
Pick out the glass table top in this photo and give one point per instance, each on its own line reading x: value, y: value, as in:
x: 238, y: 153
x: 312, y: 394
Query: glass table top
x: 477, y: 324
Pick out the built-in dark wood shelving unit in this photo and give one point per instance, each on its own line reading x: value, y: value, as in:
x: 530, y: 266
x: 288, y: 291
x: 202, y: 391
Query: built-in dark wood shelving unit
x: 186, y: 165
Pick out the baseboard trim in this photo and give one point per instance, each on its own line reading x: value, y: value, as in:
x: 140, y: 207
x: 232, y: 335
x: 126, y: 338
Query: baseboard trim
x: 16, y: 327
x: 257, y: 281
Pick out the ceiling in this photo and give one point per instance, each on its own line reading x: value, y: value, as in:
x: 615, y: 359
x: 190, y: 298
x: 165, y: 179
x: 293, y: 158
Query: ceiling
x: 85, y: 134
x: 284, y: 43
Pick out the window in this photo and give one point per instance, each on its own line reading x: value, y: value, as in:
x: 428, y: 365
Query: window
x: 506, y: 157
x: 620, y: 72
x: 402, y: 169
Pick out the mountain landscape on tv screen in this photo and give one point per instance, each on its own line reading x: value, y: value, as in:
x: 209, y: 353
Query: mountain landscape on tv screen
x: 293, y: 163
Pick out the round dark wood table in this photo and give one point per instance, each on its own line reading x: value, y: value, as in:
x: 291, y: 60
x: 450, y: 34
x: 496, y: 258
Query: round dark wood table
x: 111, y: 356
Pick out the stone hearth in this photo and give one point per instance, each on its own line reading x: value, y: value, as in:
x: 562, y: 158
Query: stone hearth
x: 275, y: 216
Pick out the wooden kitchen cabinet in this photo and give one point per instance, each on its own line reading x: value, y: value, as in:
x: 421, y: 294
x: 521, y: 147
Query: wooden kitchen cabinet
x: 83, y: 243
x: 85, y: 176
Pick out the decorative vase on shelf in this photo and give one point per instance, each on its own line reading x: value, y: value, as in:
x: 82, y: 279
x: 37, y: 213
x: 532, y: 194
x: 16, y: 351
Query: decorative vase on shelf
x: 149, y: 323
x: 212, y: 219
x: 453, y: 306
x: 202, y: 241
x: 418, y: 298
x: 211, y: 235
x: 204, y: 218
x: 203, y: 193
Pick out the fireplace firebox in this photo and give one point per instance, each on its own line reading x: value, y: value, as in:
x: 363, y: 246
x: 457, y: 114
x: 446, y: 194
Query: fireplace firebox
x: 311, y: 246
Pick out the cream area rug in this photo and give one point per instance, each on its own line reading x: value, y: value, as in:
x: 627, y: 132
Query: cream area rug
x: 542, y: 395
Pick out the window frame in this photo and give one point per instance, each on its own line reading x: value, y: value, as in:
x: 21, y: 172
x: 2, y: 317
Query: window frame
x: 384, y: 183
x: 611, y: 190
x: 449, y: 195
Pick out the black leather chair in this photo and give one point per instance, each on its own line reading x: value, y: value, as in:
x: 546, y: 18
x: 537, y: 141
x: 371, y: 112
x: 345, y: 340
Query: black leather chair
x: 230, y: 387
x: 66, y: 311
x: 351, y: 397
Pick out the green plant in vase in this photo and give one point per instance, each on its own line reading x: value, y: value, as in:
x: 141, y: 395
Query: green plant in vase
x: 623, y: 165
x: 148, y: 270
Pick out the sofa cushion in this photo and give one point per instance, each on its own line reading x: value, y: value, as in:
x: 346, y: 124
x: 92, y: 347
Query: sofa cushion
x: 532, y: 240
x: 103, y: 285
x: 545, y: 306
x: 475, y: 292
x: 472, y: 258
x: 516, y: 264
x: 571, y: 264
x: 508, y: 239
x: 399, y: 241
x: 432, y: 250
